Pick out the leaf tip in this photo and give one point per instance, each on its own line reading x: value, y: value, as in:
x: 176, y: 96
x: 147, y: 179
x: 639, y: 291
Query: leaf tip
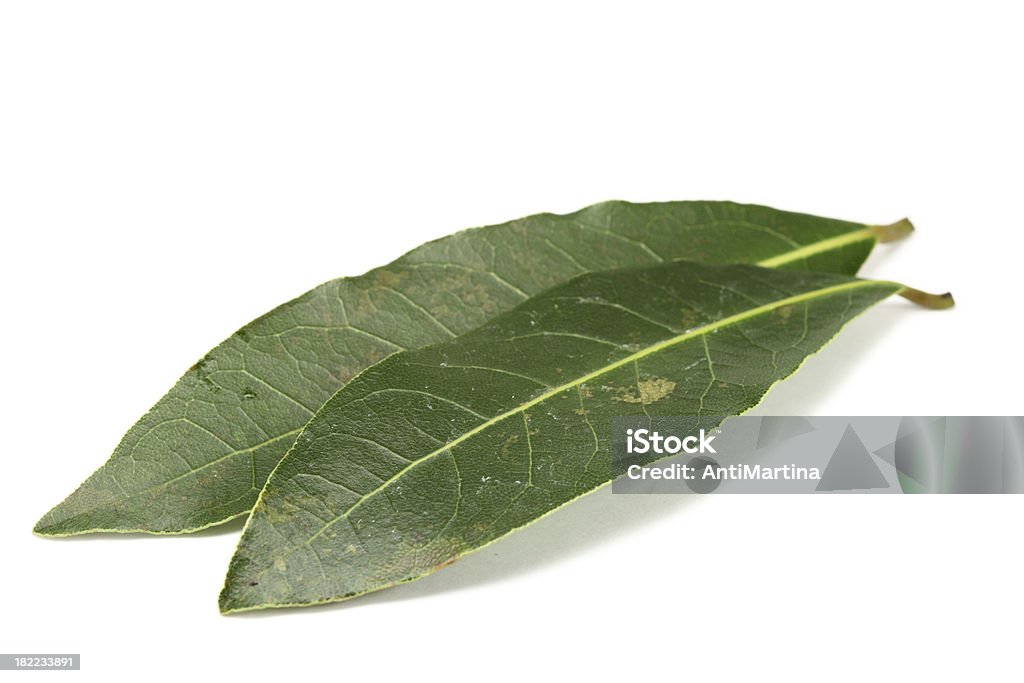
x: 893, y: 231
x: 237, y: 594
x: 225, y: 603
x: 44, y: 528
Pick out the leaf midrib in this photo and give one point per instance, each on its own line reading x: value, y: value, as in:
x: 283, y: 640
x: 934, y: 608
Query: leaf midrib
x: 702, y: 331
x: 822, y: 246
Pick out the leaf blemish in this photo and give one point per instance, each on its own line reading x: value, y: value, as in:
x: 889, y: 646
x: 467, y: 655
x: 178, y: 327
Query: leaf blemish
x: 649, y: 390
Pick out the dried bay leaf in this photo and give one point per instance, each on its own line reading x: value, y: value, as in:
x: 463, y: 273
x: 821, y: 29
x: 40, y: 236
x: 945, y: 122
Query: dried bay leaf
x: 436, y: 452
x: 200, y: 456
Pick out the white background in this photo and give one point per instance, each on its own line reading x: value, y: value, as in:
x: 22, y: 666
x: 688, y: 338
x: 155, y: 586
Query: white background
x: 169, y: 171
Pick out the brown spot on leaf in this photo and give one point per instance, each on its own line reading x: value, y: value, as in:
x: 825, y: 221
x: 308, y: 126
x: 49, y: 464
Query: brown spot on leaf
x: 389, y: 278
x: 649, y: 390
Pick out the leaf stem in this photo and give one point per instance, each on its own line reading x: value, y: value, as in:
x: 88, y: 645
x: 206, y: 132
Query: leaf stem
x: 927, y: 300
x: 893, y: 231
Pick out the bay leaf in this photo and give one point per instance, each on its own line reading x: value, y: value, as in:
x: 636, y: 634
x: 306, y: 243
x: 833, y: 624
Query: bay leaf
x: 200, y: 456
x: 436, y: 452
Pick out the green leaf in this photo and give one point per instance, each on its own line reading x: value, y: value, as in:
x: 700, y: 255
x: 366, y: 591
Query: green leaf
x: 434, y: 453
x: 200, y: 456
